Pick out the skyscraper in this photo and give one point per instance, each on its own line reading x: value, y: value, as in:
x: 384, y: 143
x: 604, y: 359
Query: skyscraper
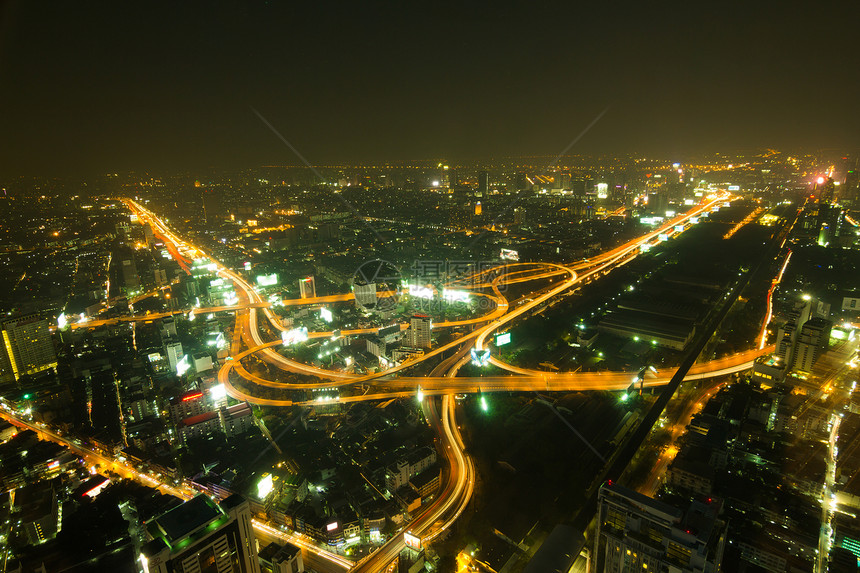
x: 199, y: 536
x: 419, y: 331
x: 639, y: 533
x: 483, y: 184
x: 811, y: 342
x: 27, y: 346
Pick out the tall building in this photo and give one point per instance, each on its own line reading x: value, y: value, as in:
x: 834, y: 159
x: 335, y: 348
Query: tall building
x: 276, y: 558
x: 639, y: 533
x: 213, y: 210
x: 419, y: 331
x: 365, y: 295
x: 811, y: 343
x: 130, y: 278
x: 27, y: 347
x: 200, y: 537
x: 173, y: 349
x: 148, y: 235
x: 483, y: 184
x: 307, y: 287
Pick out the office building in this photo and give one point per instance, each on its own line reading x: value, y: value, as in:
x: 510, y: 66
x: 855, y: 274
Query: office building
x: 419, y: 331
x: 277, y: 558
x: 27, y: 347
x: 639, y: 533
x: 365, y: 295
x: 199, y: 536
x: 130, y: 278
x: 811, y: 343
x: 173, y: 349
x: 307, y: 287
x: 483, y: 184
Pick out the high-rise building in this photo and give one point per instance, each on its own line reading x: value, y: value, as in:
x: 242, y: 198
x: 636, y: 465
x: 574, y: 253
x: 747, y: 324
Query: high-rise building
x: 27, y: 347
x: 200, y: 537
x: 811, y: 343
x: 307, y: 287
x: 365, y: 295
x: 639, y: 533
x: 483, y: 184
x: 277, y: 558
x: 419, y: 331
x: 213, y: 210
x: 130, y: 278
x: 148, y: 235
x: 173, y: 349
x: 160, y: 277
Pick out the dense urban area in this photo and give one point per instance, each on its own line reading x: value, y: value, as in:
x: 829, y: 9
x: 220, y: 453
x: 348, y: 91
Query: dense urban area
x: 587, y: 363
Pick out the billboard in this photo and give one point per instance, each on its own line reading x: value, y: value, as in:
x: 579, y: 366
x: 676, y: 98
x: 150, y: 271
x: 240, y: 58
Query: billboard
x: 663, y: 237
x: 602, y: 190
x: 455, y: 295
x: 734, y: 187
x: 503, y: 338
x: 679, y: 228
x: 510, y: 255
x: 412, y: 541
x: 326, y: 314
x: 267, y: 280
x: 420, y: 291
x: 294, y: 336
x: 480, y: 357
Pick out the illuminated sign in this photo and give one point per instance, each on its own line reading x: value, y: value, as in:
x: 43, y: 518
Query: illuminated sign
x: 61, y: 321
x: 670, y: 214
x: 679, y: 228
x: 420, y: 291
x: 217, y: 392
x: 480, y: 357
x: 247, y: 265
x: 694, y: 220
x: 510, y: 255
x: 689, y: 202
x: 645, y: 248
x: 663, y: 237
x: 193, y: 396
x: 265, y: 486
x: 294, y: 336
x: 455, y: 295
x: 54, y: 465
x: 650, y: 220
x: 331, y: 526
x: 412, y: 541
x: 503, y: 338
x: 326, y: 314
x: 734, y: 187
x: 267, y: 280
x: 602, y: 190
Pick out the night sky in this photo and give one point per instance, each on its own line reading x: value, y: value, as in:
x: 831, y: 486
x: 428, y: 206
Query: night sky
x: 91, y: 88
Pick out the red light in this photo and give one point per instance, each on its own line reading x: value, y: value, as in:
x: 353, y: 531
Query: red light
x: 609, y: 482
x: 192, y: 396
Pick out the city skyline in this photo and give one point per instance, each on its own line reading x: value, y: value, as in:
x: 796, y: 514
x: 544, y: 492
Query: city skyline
x: 118, y: 88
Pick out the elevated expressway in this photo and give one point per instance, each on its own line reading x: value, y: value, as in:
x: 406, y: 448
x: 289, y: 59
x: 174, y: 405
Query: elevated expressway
x: 438, y: 515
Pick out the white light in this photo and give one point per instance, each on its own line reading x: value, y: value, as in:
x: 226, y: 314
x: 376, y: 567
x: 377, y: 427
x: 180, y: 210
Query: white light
x: 217, y: 392
x: 420, y: 291
x: 62, y: 322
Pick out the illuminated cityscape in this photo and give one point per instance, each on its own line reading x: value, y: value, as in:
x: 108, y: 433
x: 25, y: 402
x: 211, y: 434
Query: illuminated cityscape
x: 265, y: 343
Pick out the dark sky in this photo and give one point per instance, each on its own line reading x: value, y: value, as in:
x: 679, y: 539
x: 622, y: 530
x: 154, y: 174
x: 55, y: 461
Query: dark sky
x: 89, y: 88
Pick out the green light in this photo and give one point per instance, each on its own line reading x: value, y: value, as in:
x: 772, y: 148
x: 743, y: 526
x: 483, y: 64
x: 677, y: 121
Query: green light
x: 624, y: 397
x: 26, y: 396
x: 600, y: 354
x: 654, y: 342
x: 484, y: 406
x: 636, y: 338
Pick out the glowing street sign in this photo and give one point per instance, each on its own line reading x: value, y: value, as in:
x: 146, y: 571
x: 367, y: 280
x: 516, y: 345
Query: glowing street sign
x: 510, y: 255
x: 294, y: 336
x: 663, y: 237
x: 645, y: 247
x: 679, y: 228
x: 694, y: 220
x: 602, y: 190
x: 734, y: 187
x: 503, y: 338
x: 420, y: 291
x: 412, y: 541
x: 480, y: 357
x: 455, y: 295
x: 326, y: 314
x: 247, y: 265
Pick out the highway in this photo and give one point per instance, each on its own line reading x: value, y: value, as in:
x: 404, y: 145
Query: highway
x: 440, y: 513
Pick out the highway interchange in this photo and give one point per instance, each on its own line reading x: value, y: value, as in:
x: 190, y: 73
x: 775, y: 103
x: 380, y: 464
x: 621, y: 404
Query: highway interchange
x: 443, y: 381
